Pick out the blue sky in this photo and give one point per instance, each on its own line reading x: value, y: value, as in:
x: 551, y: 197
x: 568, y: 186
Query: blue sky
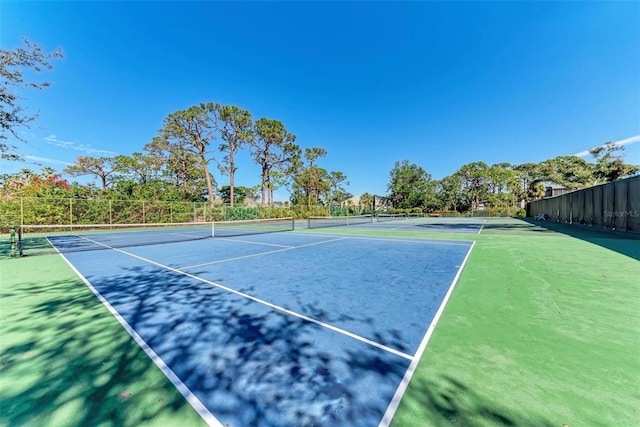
x: 440, y: 84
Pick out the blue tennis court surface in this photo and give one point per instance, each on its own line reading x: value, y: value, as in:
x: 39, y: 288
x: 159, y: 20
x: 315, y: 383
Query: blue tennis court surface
x: 285, y: 329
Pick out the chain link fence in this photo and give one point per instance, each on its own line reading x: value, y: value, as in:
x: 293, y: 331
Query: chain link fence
x: 50, y: 211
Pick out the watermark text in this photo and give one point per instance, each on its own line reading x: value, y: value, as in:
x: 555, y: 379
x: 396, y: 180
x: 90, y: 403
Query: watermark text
x: 621, y: 214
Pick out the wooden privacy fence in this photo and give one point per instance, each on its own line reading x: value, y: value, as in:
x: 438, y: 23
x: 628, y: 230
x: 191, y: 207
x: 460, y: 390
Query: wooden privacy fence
x: 615, y: 205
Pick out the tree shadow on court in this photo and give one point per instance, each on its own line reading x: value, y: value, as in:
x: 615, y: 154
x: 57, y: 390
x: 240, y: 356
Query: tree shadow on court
x: 391, y: 337
x: 445, y: 400
x: 624, y: 243
x: 64, y: 361
x: 515, y: 226
x: 255, y: 365
x: 448, y: 227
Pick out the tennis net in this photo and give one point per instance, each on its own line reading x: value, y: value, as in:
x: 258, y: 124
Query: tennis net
x: 252, y: 226
x: 382, y: 217
x: 337, y: 221
x: 48, y: 239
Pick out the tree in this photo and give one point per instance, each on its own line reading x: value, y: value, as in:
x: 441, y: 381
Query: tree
x: 180, y: 168
x: 504, y: 186
x: 13, y: 115
x: 28, y: 183
x: 337, y: 193
x: 410, y: 186
x: 366, y: 202
x: 137, y: 167
x: 278, y: 179
x: 474, y: 188
x: 101, y: 168
x: 449, y: 190
x: 571, y: 172
x: 139, y: 178
x: 309, y: 181
x: 236, y: 130
x: 192, y: 130
x: 241, y: 193
x: 610, y: 166
x: 535, y: 191
x: 274, y: 150
x: 530, y: 176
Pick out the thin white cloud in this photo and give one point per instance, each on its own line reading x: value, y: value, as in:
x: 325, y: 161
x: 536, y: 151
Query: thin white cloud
x: 582, y: 153
x: 46, y: 160
x: 53, y: 140
x: 620, y: 143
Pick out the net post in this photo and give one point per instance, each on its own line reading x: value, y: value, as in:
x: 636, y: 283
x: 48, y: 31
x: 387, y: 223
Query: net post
x: 19, y: 248
x: 213, y: 229
x: 13, y: 241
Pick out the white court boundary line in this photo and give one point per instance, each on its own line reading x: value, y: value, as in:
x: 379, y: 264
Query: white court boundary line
x: 404, y: 383
x: 482, y: 223
x: 251, y: 242
x: 413, y: 222
x: 285, y: 248
x: 399, y: 239
x: 189, y: 396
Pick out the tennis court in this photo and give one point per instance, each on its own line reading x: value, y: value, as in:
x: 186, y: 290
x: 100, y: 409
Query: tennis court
x: 280, y: 328
x: 325, y: 327
x: 402, y: 223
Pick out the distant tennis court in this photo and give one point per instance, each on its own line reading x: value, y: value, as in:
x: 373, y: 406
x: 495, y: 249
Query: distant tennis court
x: 275, y: 329
x: 398, y: 222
